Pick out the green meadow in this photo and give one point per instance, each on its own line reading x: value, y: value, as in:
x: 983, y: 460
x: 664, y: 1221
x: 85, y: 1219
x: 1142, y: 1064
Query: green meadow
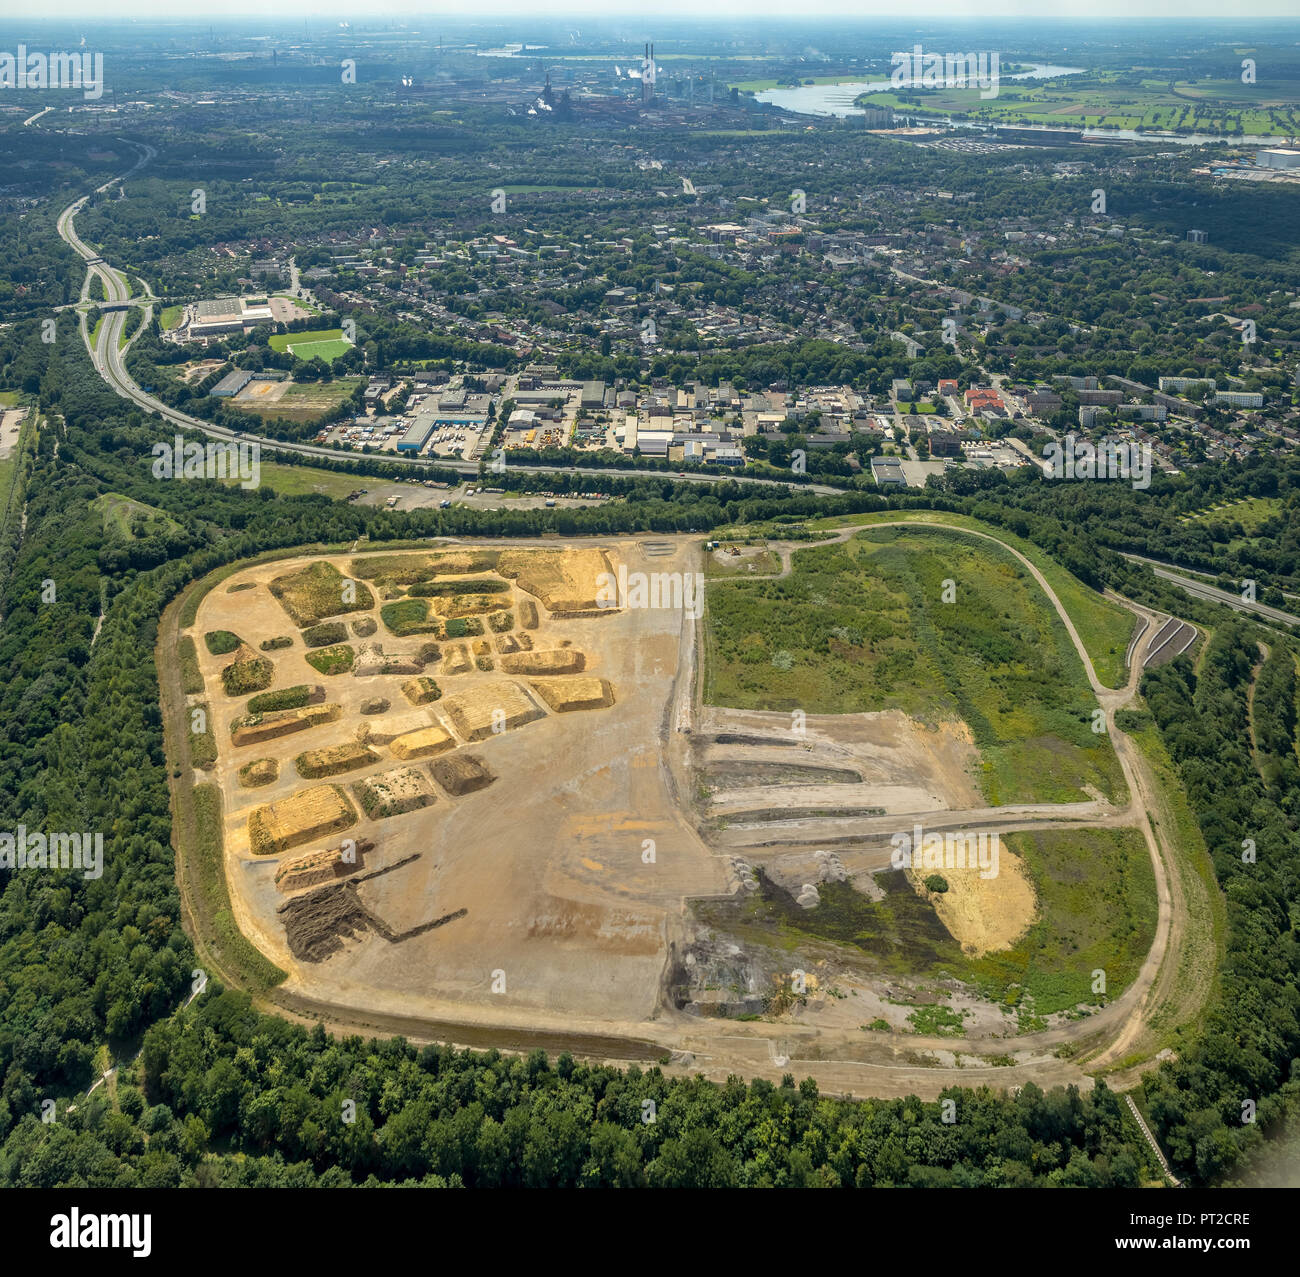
x: 864, y: 626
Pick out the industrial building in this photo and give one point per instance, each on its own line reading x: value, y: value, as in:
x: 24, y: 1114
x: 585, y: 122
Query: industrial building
x: 1278, y: 157
x: 888, y: 472
x: 654, y: 443
x: 231, y: 384
x: 228, y: 315
x: 221, y: 315
x: 417, y: 434
x: 430, y: 417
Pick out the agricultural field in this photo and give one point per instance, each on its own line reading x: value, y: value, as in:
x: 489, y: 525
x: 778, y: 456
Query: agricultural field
x: 1112, y: 101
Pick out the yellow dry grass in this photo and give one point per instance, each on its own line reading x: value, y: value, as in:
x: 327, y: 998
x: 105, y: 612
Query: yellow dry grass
x: 314, y: 764
x: 490, y: 708
x: 308, y: 814
x: 251, y: 728
x: 423, y: 743
x: 566, y: 694
x: 258, y: 773
x: 318, y: 590
x: 318, y: 866
x: 420, y: 691
x: 566, y: 581
x: 453, y: 605
x: 561, y: 661
x: 393, y: 792
x: 457, y: 659
x: 984, y: 915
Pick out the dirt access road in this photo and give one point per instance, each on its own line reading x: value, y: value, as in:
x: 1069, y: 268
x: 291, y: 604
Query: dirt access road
x: 1117, y: 1032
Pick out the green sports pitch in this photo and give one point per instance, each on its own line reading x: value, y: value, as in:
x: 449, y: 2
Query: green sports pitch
x: 327, y: 344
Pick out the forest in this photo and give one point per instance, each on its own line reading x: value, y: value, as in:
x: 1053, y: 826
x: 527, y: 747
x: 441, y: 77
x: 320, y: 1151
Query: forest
x: 1243, y: 1070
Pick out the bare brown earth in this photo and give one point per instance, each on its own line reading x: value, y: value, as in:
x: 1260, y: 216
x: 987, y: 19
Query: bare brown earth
x: 984, y: 915
x: 486, y: 845
x: 461, y: 774
x: 546, y: 906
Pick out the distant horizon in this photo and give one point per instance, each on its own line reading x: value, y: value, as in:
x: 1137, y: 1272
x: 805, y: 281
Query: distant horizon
x: 750, y: 12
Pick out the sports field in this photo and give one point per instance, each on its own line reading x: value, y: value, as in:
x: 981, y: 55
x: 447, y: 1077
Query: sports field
x: 326, y: 343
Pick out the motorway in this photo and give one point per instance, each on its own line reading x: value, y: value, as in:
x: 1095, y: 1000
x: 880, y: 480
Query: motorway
x: 1201, y: 589
x: 108, y: 353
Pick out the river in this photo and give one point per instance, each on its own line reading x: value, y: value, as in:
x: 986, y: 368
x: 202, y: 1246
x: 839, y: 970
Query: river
x: 837, y: 99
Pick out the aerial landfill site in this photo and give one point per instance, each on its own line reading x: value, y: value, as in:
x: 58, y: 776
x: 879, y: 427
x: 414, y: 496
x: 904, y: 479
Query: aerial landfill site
x: 481, y: 786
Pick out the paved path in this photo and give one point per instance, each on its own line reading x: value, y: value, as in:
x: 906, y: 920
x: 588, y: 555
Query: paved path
x: 1202, y: 589
x: 1151, y: 1140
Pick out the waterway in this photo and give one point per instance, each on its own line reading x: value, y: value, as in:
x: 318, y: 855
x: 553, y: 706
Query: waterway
x: 837, y: 99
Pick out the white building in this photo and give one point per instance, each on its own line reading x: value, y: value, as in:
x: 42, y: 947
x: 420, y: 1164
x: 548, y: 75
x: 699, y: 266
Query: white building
x: 1278, y: 157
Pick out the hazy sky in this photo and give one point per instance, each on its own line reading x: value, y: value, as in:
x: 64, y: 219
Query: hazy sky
x: 865, y: 10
